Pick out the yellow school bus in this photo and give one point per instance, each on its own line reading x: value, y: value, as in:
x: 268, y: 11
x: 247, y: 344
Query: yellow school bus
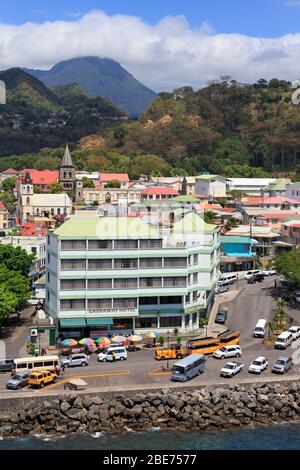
x: 210, y: 345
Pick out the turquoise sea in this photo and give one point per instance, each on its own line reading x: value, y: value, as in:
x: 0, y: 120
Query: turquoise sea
x: 271, y: 437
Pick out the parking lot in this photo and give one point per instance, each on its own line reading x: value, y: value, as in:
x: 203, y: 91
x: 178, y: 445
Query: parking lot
x: 253, y: 302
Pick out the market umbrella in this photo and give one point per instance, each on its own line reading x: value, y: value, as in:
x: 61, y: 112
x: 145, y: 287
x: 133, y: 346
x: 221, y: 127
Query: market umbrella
x: 68, y: 343
x: 119, y: 339
x: 87, y: 342
x: 135, y: 338
x: 151, y: 334
x: 103, y: 342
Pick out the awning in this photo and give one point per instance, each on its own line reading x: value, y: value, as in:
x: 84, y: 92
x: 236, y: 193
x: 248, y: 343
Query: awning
x: 70, y: 322
x: 97, y: 321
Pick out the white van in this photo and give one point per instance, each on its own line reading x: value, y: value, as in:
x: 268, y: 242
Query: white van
x: 226, y: 280
x: 113, y: 354
x: 284, y: 340
x: 260, y: 329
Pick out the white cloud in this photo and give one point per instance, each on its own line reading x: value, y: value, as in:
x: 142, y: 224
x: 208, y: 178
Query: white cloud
x: 163, y: 56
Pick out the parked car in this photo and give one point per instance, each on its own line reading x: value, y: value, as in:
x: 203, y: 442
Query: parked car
x: 295, y: 330
x: 41, y: 378
x: 231, y: 368
x: 228, y: 351
x: 75, y: 360
x: 6, y: 365
x: 269, y: 272
x: 256, y: 278
x: 113, y: 354
x: 18, y: 380
x: 221, y: 316
x: 297, y: 296
x: 282, y: 365
x: 252, y: 273
x: 221, y: 289
x: 258, y: 365
x: 284, y: 340
x: 260, y: 329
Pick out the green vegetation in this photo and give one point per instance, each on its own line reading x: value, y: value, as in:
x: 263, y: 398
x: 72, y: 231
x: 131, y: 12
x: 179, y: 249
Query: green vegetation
x: 14, y: 287
x: 288, y: 264
x: 227, y: 128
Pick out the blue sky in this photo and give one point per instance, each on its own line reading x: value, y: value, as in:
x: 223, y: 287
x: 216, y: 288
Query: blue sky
x: 264, y: 18
x: 163, y: 43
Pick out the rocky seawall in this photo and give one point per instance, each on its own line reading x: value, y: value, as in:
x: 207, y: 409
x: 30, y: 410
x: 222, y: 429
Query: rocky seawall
x: 186, y: 409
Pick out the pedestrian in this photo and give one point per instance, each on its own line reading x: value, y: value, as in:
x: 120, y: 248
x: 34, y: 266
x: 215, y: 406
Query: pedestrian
x: 114, y: 356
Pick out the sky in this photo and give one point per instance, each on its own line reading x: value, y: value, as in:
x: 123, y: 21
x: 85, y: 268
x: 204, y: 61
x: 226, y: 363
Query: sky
x: 164, y: 43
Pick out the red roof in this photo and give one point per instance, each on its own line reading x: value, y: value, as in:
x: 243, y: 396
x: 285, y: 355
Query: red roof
x: 2, y: 206
x: 106, y: 177
x: 10, y: 171
x: 269, y: 200
x: 159, y: 190
x: 295, y: 225
x: 45, y: 177
x: 33, y: 230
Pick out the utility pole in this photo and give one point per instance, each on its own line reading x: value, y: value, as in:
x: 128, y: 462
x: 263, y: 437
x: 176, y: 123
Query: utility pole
x: 168, y: 337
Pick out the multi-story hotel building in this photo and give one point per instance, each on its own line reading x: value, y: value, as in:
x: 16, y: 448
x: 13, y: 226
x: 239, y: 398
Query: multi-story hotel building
x: 118, y: 274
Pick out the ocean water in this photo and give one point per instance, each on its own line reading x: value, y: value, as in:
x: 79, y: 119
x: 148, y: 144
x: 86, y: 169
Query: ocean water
x: 268, y: 437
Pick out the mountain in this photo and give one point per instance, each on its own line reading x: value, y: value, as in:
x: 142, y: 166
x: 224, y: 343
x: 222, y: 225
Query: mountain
x: 100, y: 77
x: 36, y: 116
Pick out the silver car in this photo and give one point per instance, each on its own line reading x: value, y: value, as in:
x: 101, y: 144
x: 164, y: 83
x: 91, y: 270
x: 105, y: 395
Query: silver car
x: 74, y: 360
x: 282, y: 365
x: 18, y: 380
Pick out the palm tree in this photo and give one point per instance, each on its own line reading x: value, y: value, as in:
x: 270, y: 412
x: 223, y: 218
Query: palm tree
x: 210, y: 217
x: 271, y: 328
x: 203, y: 322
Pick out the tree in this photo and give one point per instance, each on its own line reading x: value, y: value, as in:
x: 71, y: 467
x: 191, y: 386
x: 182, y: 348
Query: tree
x: 288, y: 264
x: 113, y: 184
x: 203, y: 322
x: 281, y: 318
x: 87, y: 182
x: 8, y: 303
x: 56, y: 188
x: 231, y: 223
x: 210, y: 217
x: 16, y: 259
x: 9, y: 184
x: 17, y: 284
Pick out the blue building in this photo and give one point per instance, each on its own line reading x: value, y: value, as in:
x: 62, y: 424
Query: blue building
x: 237, y: 253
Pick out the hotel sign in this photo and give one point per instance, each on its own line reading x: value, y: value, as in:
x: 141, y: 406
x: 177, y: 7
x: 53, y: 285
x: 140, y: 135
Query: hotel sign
x: 114, y: 312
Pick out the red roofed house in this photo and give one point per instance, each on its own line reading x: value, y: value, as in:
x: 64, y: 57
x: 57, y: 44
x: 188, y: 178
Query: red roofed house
x: 106, y: 178
x: 33, y: 230
x: 153, y: 193
x: 41, y: 178
x: 9, y: 173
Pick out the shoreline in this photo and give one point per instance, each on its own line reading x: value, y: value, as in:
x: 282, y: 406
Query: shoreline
x: 170, y: 409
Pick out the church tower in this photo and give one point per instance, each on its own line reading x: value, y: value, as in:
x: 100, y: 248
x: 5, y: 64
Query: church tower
x: 67, y: 176
x: 26, y: 208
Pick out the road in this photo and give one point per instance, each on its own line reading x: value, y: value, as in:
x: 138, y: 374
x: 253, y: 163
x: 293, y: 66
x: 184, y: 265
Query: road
x: 253, y: 302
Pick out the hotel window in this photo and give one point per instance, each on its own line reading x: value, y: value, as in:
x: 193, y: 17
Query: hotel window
x: 99, y: 264
x: 175, y: 262
x: 125, y: 284
x: 150, y: 282
x: 195, y: 278
x: 150, y: 263
x: 196, y: 259
x: 148, y: 301
x: 125, y: 303
x: 100, y: 284
x: 168, y: 322
x: 73, y: 244
x: 174, y: 281
x: 72, y: 264
x: 176, y: 299
x: 99, y: 303
x: 150, y: 244
x: 146, y: 322
x: 126, y: 263
x: 126, y: 244
x: 100, y: 245
x: 195, y: 295
x: 72, y: 284
x: 67, y: 304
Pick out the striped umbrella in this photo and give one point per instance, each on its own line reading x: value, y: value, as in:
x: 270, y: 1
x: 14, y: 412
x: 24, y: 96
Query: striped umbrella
x: 151, y: 334
x: 119, y: 339
x: 87, y: 342
x: 135, y: 338
x: 68, y: 343
x: 103, y: 342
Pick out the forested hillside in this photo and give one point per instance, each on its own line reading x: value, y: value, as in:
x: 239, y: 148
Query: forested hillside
x: 226, y: 128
